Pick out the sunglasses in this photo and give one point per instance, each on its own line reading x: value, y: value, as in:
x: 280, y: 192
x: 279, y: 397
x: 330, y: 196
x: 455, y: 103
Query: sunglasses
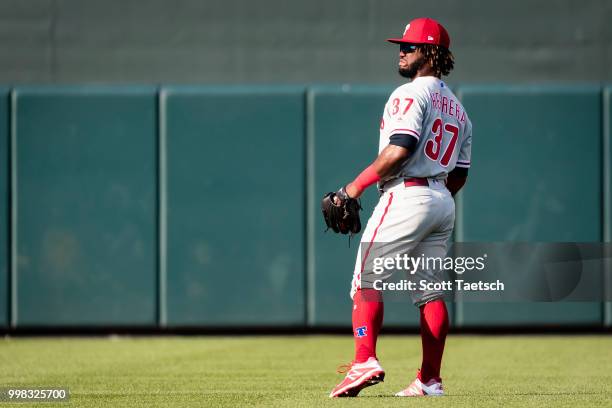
x: 407, y: 48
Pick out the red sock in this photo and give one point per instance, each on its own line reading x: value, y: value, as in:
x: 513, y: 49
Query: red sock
x: 368, y: 310
x: 434, y: 327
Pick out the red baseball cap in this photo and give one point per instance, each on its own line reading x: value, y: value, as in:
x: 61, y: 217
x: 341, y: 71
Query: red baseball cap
x: 424, y: 31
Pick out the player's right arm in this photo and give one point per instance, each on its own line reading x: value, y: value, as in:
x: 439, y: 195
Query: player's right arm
x: 403, y: 117
x: 387, y: 163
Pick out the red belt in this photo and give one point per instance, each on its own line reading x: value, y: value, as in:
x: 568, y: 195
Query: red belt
x: 416, y: 181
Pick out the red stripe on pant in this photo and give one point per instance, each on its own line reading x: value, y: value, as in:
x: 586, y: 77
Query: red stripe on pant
x: 367, y: 253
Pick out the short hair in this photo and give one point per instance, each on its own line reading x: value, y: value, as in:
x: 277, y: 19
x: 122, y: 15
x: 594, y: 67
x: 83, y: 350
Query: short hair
x: 440, y: 58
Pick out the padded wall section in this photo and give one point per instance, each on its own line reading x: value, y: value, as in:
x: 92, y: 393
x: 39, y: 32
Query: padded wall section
x: 235, y: 206
x: 86, y: 205
x: 536, y: 177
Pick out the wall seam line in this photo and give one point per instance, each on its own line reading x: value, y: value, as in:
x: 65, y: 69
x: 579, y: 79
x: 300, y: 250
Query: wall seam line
x: 310, y: 203
x: 13, y: 210
x: 458, y: 310
x: 162, y: 210
x: 606, y: 204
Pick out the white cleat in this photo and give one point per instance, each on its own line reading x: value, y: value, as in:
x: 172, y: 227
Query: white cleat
x: 418, y: 389
x: 358, y: 377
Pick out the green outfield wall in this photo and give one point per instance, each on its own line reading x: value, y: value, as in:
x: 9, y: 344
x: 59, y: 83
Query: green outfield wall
x: 537, y: 145
x: 234, y: 195
x: 198, y: 206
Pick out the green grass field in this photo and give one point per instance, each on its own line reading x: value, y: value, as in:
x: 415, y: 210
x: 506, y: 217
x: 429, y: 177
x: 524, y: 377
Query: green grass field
x: 525, y: 371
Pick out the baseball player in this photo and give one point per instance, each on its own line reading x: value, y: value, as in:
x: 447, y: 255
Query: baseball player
x: 423, y: 161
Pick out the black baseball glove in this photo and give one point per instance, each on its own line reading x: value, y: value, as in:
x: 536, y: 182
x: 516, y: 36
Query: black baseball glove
x: 342, y: 216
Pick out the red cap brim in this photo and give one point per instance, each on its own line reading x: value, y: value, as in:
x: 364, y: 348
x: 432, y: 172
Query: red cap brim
x: 396, y: 40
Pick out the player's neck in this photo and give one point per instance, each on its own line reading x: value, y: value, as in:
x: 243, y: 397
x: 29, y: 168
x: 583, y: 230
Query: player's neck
x: 426, y: 71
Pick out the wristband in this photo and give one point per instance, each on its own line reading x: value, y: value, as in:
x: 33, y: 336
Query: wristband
x: 366, y: 178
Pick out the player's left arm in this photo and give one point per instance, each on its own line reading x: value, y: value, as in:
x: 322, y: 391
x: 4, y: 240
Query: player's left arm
x: 456, y: 179
x: 458, y: 176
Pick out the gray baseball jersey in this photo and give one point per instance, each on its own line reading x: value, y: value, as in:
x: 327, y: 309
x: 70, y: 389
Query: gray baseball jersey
x: 428, y: 110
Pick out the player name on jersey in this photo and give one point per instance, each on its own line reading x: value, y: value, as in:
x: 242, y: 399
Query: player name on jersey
x: 447, y: 105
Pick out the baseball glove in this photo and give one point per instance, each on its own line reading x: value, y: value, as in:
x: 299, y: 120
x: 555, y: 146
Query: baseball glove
x: 343, y: 216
